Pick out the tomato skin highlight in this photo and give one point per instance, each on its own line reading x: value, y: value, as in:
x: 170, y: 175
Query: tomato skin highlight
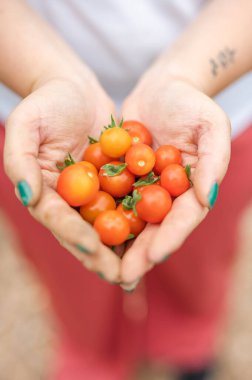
x: 155, y: 204
x: 119, y: 185
x: 174, y: 180
x: 166, y: 155
x: 115, y: 142
x: 136, y: 224
x: 95, y: 155
x: 102, y: 202
x: 89, y: 166
x: 112, y: 227
x: 77, y: 185
x: 140, y: 159
x: 138, y: 132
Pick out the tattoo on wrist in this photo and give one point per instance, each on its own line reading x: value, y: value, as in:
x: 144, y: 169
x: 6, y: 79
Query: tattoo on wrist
x: 224, y: 58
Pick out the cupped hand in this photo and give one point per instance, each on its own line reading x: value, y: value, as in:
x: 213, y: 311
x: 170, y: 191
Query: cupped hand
x: 177, y: 113
x: 55, y: 119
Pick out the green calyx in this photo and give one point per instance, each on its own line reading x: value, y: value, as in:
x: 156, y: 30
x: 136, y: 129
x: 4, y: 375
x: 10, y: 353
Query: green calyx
x: 67, y: 162
x: 130, y: 202
x: 113, y: 124
x: 149, y: 180
x: 188, y: 173
x: 111, y: 170
x: 92, y: 140
x: 131, y: 236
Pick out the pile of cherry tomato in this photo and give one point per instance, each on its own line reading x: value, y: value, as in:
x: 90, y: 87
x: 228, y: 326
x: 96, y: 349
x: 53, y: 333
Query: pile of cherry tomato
x: 122, y: 183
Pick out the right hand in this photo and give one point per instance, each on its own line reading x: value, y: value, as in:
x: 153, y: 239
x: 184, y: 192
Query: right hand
x: 54, y: 119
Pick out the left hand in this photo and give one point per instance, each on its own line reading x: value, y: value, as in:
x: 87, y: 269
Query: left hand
x: 179, y: 114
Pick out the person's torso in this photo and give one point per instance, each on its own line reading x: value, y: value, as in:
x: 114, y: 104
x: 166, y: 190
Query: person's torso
x: 120, y: 39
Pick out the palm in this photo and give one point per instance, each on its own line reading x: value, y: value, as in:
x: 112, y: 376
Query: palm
x: 60, y: 118
x: 181, y: 116
x: 54, y: 120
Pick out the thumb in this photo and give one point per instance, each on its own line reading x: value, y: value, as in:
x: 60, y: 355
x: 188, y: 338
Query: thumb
x: 20, y: 157
x: 214, y: 145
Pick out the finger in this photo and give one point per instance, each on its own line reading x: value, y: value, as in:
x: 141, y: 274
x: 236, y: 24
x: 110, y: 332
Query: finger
x: 55, y: 214
x: 108, y: 265
x: 20, y: 157
x: 130, y: 109
x: 135, y: 262
x: 129, y: 287
x: 104, y: 263
x: 186, y: 213
x: 213, y: 158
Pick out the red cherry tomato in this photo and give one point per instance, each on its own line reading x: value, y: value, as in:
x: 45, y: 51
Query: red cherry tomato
x: 89, y: 166
x: 118, y: 185
x: 140, y: 159
x: 115, y: 142
x: 112, y: 227
x: 77, y: 185
x: 175, y: 180
x: 136, y: 224
x: 166, y: 155
x: 102, y: 202
x: 95, y: 155
x: 138, y: 132
x: 154, y: 205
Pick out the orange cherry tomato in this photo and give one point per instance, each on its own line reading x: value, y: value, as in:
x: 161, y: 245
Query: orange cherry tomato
x: 102, y: 202
x: 95, y: 155
x: 89, y: 166
x: 115, y: 142
x: 175, y: 180
x: 138, y: 132
x: 77, y: 185
x: 112, y: 227
x: 166, y: 155
x: 154, y: 205
x: 136, y: 224
x: 140, y: 159
x: 118, y: 185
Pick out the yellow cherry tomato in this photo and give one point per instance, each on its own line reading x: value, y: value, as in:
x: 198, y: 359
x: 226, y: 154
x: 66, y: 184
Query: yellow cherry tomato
x: 115, y: 142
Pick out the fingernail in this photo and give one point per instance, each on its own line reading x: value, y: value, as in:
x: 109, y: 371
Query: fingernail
x: 130, y: 287
x: 83, y: 249
x: 25, y: 192
x: 164, y: 258
x: 101, y: 275
x: 212, y: 196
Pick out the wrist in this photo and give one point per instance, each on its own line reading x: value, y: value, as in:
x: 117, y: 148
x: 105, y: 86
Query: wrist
x: 78, y: 74
x: 171, y: 66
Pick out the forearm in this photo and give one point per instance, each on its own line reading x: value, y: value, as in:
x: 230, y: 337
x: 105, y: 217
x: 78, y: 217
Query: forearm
x: 216, y: 49
x: 30, y: 51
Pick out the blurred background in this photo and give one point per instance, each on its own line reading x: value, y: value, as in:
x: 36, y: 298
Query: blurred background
x: 28, y: 331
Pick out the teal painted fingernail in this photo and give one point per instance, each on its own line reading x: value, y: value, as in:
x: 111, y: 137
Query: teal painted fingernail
x: 25, y: 192
x: 101, y: 275
x: 83, y: 249
x: 164, y: 258
x: 212, y: 196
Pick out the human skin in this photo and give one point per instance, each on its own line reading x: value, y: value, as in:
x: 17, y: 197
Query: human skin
x: 173, y: 100
x: 63, y: 103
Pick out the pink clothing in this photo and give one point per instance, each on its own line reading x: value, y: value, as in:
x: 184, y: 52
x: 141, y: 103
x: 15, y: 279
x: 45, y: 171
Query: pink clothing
x: 177, y: 311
